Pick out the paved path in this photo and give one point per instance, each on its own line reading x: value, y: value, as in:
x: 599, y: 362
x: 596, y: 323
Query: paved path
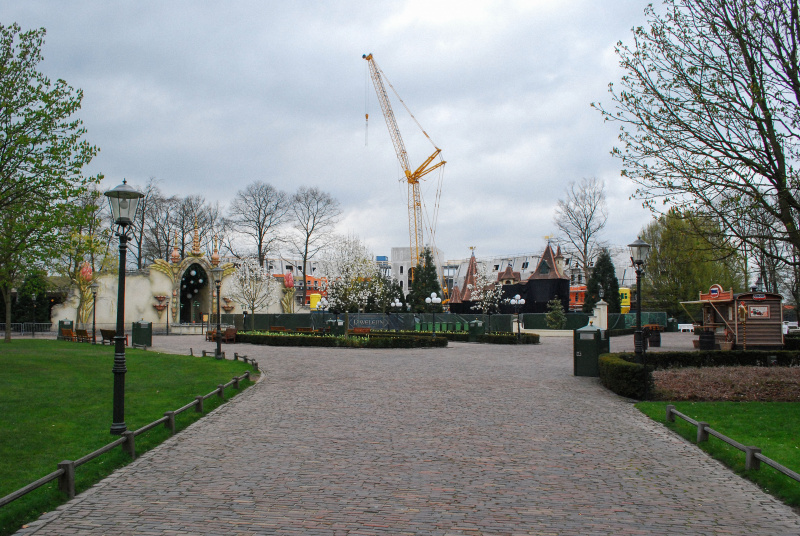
x: 468, y: 440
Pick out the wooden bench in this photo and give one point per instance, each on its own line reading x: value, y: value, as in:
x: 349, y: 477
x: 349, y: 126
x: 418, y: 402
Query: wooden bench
x: 305, y: 330
x: 68, y: 335
x: 229, y: 335
x: 211, y: 335
x: 109, y: 334
x: 82, y: 335
x: 279, y: 329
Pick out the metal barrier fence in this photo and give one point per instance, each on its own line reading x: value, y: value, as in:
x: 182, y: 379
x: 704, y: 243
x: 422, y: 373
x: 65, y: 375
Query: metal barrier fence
x: 66, y: 469
x: 753, y: 456
x: 27, y: 328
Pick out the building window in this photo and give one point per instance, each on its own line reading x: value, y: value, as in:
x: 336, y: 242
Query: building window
x: 496, y: 267
x: 401, y: 285
x: 401, y: 270
x: 289, y: 268
x: 525, y: 265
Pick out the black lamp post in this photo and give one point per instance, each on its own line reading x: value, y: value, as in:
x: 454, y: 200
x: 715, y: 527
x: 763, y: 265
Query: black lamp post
x: 94, y: 286
x: 517, y: 301
x: 33, y: 330
x: 433, y: 301
x: 168, y: 313
x: 216, y: 272
x: 397, y: 306
x: 124, y: 201
x: 639, y: 251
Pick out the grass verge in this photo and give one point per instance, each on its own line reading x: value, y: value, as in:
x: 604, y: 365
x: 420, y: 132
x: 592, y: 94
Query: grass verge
x: 774, y: 427
x: 55, y: 404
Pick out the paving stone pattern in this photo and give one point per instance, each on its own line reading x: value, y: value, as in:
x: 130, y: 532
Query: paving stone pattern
x: 468, y: 440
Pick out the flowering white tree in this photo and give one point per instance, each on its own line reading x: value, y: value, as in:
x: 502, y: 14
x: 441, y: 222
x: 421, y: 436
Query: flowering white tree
x: 254, y: 286
x: 485, y: 293
x: 350, y: 271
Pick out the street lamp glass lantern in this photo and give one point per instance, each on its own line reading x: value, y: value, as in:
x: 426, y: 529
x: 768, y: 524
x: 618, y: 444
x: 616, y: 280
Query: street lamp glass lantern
x: 124, y: 201
x: 94, y: 286
x: 216, y: 273
x: 639, y: 251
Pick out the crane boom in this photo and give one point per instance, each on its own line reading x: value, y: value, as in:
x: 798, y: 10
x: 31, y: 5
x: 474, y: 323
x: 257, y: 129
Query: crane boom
x: 415, y: 222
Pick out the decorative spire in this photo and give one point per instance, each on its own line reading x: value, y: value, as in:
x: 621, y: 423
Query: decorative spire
x: 215, y: 254
x: 176, y: 255
x: 196, y: 242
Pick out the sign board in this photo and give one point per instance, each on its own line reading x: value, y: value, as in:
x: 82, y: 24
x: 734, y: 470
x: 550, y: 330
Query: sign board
x: 759, y: 297
x: 758, y: 311
x: 205, y: 317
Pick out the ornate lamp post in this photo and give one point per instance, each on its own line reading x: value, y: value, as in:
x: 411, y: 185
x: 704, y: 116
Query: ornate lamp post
x: 216, y: 273
x: 639, y: 251
x: 94, y: 286
x: 433, y: 301
x: 124, y: 201
x: 516, y: 301
x: 397, y: 306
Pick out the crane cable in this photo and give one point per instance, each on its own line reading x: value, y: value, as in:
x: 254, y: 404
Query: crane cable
x: 366, y: 104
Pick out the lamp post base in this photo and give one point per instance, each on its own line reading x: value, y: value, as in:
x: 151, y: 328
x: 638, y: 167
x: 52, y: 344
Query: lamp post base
x: 118, y: 428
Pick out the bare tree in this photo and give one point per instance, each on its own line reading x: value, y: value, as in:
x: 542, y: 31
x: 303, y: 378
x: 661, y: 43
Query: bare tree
x: 137, y: 247
x: 709, y: 110
x: 313, y: 214
x: 160, y: 228
x: 581, y: 217
x: 257, y: 211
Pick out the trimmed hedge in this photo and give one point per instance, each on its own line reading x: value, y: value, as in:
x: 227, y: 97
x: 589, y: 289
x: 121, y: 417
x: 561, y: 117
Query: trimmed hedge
x: 791, y: 342
x: 722, y: 358
x: 341, y: 342
x: 457, y: 336
x: 620, y: 374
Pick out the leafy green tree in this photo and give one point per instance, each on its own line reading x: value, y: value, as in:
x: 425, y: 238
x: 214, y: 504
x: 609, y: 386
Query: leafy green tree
x: 555, y: 318
x: 41, y: 157
x: 709, y: 111
x: 684, y: 261
x: 603, y: 276
x: 426, y: 281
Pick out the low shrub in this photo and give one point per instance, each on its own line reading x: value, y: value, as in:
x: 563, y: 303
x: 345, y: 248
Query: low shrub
x: 283, y: 339
x: 791, y: 342
x: 620, y: 374
x: 508, y: 338
x: 720, y: 358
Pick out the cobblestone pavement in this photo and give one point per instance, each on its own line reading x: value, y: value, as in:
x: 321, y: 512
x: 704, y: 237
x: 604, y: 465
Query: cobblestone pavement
x: 468, y: 440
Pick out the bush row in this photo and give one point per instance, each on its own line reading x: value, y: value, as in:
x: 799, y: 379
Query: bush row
x: 620, y: 374
x: 719, y: 358
x: 269, y: 339
x: 455, y: 336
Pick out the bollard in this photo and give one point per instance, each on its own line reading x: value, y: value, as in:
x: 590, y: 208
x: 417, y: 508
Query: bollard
x: 702, y: 433
x: 670, y: 415
x: 235, y: 382
x: 66, y: 482
x: 750, y: 461
x: 191, y: 352
x: 170, y: 424
x: 130, y: 444
x: 221, y: 391
x: 198, y: 408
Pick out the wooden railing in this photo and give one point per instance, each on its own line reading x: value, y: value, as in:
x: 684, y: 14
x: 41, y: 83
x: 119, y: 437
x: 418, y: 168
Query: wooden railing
x: 66, y: 469
x: 753, y: 456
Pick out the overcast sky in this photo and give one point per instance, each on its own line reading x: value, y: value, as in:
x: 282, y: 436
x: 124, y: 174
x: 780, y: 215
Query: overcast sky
x: 210, y: 96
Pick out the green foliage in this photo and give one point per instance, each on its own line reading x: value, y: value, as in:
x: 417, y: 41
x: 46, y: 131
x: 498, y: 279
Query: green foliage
x: 556, y: 318
x: 603, y: 276
x: 719, y: 358
x: 426, y: 281
x: 329, y: 341
x: 686, y: 258
x: 41, y: 158
x: 771, y: 426
x: 56, y: 405
x: 620, y: 374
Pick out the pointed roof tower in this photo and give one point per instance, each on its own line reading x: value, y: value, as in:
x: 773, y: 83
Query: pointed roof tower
x: 469, y: 279
x: 550, y: 265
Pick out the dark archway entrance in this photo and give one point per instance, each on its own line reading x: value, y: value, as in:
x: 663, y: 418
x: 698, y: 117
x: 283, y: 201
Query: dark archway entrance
x: 193, y: 297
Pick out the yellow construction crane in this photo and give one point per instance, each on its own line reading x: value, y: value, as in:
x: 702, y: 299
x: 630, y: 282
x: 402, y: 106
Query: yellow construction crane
x: 415, y: 222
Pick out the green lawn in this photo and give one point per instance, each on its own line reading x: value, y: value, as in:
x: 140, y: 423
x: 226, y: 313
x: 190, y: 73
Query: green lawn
x: 55, y: 404
x: 774, y: 427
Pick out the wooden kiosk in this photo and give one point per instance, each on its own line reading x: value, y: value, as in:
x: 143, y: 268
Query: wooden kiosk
x: 747, y: 320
